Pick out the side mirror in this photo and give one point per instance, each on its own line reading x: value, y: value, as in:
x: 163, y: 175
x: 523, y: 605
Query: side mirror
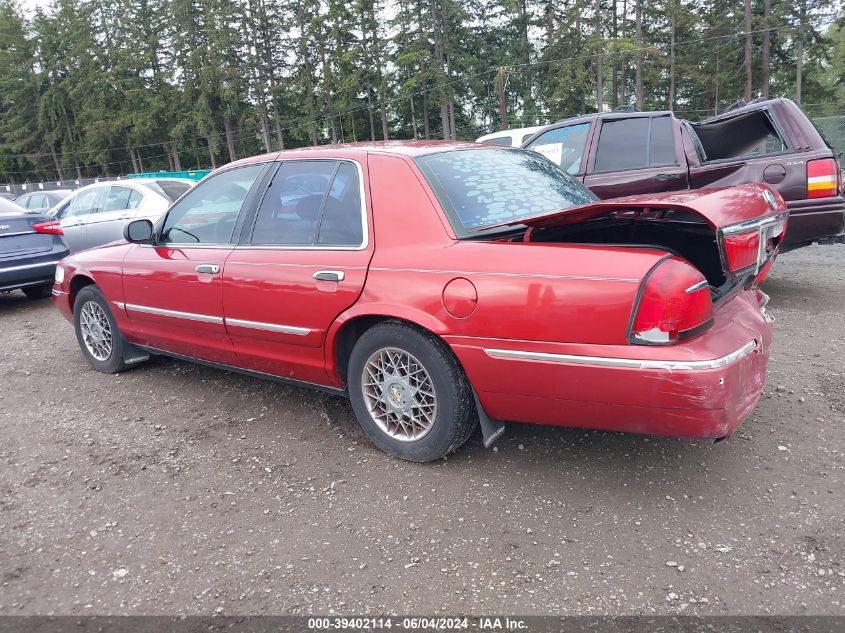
x: 138, y: 232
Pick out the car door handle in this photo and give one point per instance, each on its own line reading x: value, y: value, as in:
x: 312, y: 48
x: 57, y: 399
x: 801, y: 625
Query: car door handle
x: 211, y: 269
x: 666, y: 177
x: 329, y: 275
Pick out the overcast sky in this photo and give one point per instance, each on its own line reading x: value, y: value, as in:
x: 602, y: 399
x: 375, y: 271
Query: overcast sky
x: 29, y: 5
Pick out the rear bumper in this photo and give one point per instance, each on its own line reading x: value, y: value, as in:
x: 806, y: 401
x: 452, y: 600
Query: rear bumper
x: 29, y: 271
x: 814, y: 219
x: 703, y: 389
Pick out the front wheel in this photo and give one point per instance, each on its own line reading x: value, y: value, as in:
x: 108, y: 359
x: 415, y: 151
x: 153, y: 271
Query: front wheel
x: 96, y: 331
x: 409, y: 392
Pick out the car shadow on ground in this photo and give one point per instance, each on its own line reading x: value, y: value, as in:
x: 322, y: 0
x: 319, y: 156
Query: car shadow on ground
x: 16, y: 300
x: 325, y: 424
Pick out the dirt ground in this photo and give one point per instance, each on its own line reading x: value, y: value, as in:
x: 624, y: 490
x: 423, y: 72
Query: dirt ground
x: 179, y: 489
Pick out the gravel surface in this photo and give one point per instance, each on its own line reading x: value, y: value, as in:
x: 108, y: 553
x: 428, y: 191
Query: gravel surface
x: 176, y: 488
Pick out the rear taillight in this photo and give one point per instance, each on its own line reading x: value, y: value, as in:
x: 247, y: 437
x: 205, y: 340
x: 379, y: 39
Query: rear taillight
x: 674, y: 304
x: 52, y: 227
x: 822, y: 178
x: 742, y: 250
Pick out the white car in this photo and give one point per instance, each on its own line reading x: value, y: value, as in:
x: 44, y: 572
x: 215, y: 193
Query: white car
x: 510, y: 138
x: 96, y: 214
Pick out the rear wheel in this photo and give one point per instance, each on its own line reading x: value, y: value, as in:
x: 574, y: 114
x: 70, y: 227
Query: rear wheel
x: 37, y: 292
x: 409, y: 392
x: 96, y: 331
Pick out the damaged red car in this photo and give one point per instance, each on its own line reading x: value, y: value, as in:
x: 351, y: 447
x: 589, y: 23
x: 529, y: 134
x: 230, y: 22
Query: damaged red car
x: 437, y: 284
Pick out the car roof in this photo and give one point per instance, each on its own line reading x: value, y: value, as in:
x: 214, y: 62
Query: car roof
x: 403, y: 148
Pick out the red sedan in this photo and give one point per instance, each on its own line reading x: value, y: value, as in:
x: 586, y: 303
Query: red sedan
x: 440, y: 283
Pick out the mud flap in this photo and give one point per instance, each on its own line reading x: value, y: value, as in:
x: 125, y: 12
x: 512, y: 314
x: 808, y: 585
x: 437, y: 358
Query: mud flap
x: 491, y: 429
x: 133, y: 355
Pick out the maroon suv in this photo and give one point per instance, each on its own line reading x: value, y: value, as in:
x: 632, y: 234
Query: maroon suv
x: 770, y: 141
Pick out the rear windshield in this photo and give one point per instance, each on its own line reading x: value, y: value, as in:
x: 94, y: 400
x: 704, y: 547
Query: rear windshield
x: 170, y: 189
x: 485, y: 187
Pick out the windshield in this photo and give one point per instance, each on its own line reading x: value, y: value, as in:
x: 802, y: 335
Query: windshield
x: 485, y: 187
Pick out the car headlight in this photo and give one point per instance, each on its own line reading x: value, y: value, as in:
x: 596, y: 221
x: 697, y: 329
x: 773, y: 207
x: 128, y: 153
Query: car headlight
x: 60, y: 274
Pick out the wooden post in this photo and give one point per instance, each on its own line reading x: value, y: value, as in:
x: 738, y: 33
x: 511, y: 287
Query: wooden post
x: 503, y: 103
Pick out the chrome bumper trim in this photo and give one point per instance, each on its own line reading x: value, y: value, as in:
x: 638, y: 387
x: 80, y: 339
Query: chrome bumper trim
x: 28, y: 266
x: 189, y: 316
x: 631, y: 363
x: 270, y: 327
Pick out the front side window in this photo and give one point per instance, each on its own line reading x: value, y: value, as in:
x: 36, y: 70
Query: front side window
x: 564, y: 146
x: 311, y: 202
x: 482, y: 188
x: 207, y: 215
x: 84, y: 203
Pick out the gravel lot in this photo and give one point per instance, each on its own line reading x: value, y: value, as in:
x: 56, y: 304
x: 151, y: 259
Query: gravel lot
x: 176, y: 488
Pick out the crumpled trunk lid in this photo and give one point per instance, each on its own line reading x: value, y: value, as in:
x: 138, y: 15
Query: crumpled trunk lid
x: 748, y: 220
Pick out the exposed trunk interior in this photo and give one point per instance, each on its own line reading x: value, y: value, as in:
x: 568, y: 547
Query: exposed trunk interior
x: 746, y: 134
x: 681, y: 233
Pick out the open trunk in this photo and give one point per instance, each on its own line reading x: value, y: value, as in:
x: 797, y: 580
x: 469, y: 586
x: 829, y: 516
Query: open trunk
x: 731, y: 235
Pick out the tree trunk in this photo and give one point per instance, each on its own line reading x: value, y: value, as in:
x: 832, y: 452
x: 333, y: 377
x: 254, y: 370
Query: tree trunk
x: 453, y: 132
x: 444, y: 119
x: 672, y: 61
x: 370, y: 110
x: 413, y: 115
x: 614, y: 78
x: 174, y: 151
x: 503, y: 102
x: 230, y: 141
x: 748, y: 51
x: 280, y: 135
x: 638, y: 76
x: 599, y: 69
x: 765, y: 61
x: 135, y: 169
x: 426, y: 120
x: 56, y: 162
x: 799, y: 55
x: 265, y: 126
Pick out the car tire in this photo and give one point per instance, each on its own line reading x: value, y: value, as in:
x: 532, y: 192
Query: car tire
x: 42, y: 291
x: 96, y: 331
x: 415, y: 402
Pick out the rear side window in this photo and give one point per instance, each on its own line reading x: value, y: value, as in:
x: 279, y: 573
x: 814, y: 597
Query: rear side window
x: 311, y: 202
x: 635, y: 143
x: 564, y: 146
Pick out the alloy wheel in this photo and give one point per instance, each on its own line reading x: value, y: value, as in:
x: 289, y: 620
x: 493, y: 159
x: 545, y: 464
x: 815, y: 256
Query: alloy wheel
x: 96, y: 330
x: 399, y: 394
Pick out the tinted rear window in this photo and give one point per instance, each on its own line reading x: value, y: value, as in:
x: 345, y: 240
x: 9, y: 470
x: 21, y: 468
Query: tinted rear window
x: 504, y: 141
x: 635, y: 143
x: 482, y: 188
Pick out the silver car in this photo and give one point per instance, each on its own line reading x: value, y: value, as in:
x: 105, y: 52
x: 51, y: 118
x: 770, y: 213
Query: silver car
x: 96, y: 214
x: 40, y: 201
